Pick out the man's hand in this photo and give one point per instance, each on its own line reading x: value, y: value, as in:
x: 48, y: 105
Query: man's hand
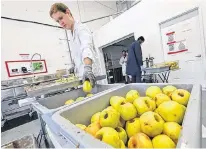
x: 88, y: 75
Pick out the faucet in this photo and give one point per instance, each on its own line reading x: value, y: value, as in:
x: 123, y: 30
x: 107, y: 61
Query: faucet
x: 31, y: 64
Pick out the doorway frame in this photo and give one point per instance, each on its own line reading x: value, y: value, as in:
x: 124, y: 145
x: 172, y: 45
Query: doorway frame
x: 202, y: 34
x: 102, y: 63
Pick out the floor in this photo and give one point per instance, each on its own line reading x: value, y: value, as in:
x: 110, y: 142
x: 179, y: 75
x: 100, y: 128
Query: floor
x: 33, y: 127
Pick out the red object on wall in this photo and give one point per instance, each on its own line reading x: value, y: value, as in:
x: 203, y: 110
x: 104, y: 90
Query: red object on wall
x: 175, y: 52
x: 25, y: 74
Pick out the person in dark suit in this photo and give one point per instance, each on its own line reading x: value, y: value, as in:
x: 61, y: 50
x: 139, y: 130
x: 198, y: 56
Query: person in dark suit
x: 134, y: 61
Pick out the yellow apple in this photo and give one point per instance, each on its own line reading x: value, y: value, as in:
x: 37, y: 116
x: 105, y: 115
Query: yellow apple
x: 152, y: 91
x: 109, y: 118
x: 81, y: 126
x: 115, y: 101
x: 122, y: 134
x: 172, y: 111
x: 160, y: 98
x: 110, y: 136
x: 151, y: 124
x: 133, y: 127
x: 168, y: 90
x: 181, y: 96
x: 68, y: 102
x: 163, y: 141
x: 140, y: 140
x: 79, y: 99
x: 87, y: 87
x: 109, y: 108
x: 90, y: 95
x: 172, y: 130
x: 121, y: 122
x: 144, y: 104
x: 95, y: 117
x: 93, y: 128
x: 127, y: 111
x: 132, y: 95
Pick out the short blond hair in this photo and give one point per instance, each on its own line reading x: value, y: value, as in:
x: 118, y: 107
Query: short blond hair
x: 58, y: 7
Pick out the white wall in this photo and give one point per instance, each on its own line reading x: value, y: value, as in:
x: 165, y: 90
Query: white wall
x: 20, y: 37
x: 143, y: 19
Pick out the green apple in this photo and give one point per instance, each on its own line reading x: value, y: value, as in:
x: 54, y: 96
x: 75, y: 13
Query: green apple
x: 172, y: 130
x: 168, y: 90
x: 109, y: 118
x: 144, y: 104
x: 95, y: 117
x: 152, y: 91
x: 81, y: 126
x: 133, y: 127
x: 172, y: 111
x: 151, y: 124
x: 140, y: 140
x: 110, y: 136
x: 79, y: 99
x: 127, y: 111
x: 163, y: 141
x: 122, y: 134
x: 115, y: 101
x: 181, y: 96
x: 132, y: 95
x: 93, y: 128
x: 160, y: 98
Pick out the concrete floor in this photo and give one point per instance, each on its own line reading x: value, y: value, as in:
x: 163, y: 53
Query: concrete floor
x: 34, y: 127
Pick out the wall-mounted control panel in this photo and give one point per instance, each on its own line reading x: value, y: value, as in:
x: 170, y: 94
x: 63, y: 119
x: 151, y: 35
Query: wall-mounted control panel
x: 25, y: 67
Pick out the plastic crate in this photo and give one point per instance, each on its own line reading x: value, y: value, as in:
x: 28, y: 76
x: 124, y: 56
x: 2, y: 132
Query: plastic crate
x: 56, y: 102
x: 81, y: 113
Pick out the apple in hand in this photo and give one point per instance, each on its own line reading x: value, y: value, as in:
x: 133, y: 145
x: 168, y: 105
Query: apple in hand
x: 132, y: 95
x: 181, y: 96
x: 110, y: 136
x: 109, y: 118
x: 93, y: 128
x: 127, y: 111
x: 133, y: 127
x: 152, y: 91
x: 122, y: 134
x: 151, y: 124
x: 144, y: 104
x: 160, y: 98
x: 140, y: 140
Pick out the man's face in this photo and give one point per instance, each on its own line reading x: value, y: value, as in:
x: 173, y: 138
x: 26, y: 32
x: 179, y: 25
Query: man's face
x: 123, y: 53
x: 64, y: 19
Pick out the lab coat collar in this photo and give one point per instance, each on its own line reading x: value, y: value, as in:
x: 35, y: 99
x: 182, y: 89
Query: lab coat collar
x: 76, y: 22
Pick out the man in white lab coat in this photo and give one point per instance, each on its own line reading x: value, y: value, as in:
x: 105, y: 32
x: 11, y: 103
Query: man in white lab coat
x: 123, y: 63
x: 82, y: 47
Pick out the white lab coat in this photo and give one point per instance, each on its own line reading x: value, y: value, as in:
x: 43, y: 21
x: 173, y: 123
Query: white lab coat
x: 123, y: 62
x: 82, y: 46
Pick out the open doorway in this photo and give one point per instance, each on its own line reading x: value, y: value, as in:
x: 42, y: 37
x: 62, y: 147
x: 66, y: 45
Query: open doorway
x: 112, y: 54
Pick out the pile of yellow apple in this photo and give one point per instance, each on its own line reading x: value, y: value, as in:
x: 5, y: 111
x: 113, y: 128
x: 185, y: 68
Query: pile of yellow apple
x: 153, y: 121
x: 87, y: 88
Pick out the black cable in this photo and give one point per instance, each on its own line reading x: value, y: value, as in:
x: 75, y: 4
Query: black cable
x: 30, y: 22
